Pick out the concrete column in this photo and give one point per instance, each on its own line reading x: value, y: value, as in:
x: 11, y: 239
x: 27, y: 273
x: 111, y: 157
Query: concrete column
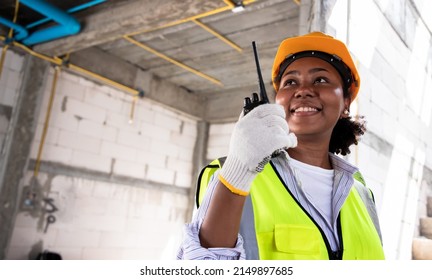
x: 199, y: 160
x: 314, y: 15
x: 18, y: 144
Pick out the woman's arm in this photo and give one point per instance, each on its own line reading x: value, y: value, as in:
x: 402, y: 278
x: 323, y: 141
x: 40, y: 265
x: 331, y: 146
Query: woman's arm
x: 191, y: 248
x: 221, y: 224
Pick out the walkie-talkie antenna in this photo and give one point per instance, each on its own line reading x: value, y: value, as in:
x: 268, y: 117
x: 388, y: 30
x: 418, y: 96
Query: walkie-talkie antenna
x: 263, y: 92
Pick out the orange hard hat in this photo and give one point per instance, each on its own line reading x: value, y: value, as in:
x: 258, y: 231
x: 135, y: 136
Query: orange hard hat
x: 322, y: 46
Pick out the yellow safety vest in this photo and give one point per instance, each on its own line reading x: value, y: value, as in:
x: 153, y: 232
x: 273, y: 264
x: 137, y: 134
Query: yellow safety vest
x: 282, y: 229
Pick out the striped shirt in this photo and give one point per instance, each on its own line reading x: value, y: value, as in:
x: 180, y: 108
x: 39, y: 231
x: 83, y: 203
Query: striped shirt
x: 191, y: 248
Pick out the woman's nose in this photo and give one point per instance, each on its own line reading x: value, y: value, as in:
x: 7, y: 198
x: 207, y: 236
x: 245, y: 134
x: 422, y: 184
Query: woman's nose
x: 304, y: 91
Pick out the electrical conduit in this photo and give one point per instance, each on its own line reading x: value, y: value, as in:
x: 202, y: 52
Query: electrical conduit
x: 67, y: 24
x: 20, y: 32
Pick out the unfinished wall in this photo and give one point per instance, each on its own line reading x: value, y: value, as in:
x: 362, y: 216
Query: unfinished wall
x: 117, y: 189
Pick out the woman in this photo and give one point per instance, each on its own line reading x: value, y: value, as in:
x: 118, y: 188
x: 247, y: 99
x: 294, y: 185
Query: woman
x: 282, y: 193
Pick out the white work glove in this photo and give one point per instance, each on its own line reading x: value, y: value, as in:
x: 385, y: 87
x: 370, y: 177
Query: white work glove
x: 256, y: 136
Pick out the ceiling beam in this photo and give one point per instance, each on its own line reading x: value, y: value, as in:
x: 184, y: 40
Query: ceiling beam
x: 128, y: 17
x: 124, y: 73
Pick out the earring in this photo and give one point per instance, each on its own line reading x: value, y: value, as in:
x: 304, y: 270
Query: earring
x: 345, y: 114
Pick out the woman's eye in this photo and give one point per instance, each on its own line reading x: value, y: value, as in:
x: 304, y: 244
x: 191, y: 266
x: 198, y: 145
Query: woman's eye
x: 289, y: 82
x: 320, y: 80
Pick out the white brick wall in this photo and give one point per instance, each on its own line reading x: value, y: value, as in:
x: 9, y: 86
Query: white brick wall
x: 162, y: 175
x: 90, y: 128
x: 92, y: 121
x: 99, y: 220
x: 91, y: 161
x: 127, y: 168
x: 218, y: 141
x: 85, y: 110
x: 117, y: 151
x: 133, y: 140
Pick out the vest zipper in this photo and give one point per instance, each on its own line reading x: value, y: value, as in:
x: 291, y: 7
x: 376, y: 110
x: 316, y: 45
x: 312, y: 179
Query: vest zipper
x: 339, y: 254
x: 333, y: 255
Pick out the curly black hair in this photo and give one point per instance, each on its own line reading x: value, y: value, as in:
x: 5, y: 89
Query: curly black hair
x: 346, y: 132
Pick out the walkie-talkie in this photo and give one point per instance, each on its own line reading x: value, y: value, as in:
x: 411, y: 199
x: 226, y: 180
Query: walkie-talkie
x: 249, y: 103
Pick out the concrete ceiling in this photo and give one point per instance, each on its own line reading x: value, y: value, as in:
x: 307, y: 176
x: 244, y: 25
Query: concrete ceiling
x: 200, y: 48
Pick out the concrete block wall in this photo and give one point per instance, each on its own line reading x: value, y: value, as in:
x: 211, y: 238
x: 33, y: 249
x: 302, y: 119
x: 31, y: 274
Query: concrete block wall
x: 120, y: 184
x: 102, y: 220
x: 218, y: 140
x: 90, y: 127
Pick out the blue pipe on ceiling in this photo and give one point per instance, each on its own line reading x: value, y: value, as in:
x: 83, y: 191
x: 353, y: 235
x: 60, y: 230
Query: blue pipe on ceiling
x: 67, y: 24
x: 70, y: 11
x: 20, y: 32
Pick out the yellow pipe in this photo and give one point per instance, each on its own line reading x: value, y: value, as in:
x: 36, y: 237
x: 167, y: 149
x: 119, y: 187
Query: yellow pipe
x: 178, y: 22
x: 57, y: 61
x: 47, y: 119
x: 2, y: 58
x: 103, y: 79
x: 53, y: 60
x: 202, y: 15
x: 14, y: 18
x: 298, y: 2
x: 173, y: 61
x: 229, y: 6
x: 208, y: 29
x: 132, y: 112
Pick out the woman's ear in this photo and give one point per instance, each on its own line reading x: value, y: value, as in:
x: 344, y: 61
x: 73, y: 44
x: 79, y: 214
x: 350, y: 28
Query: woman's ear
x: 347, y: 102
x: 345, y: 112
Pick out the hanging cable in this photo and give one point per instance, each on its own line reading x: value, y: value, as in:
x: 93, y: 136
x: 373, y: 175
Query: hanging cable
x: 132, y: 112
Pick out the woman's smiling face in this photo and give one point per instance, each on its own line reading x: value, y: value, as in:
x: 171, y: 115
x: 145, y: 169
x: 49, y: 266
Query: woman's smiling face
x: 311, y: 92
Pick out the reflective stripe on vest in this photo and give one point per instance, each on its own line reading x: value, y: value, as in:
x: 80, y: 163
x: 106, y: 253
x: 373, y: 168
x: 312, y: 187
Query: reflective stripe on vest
x: 275, y: 226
